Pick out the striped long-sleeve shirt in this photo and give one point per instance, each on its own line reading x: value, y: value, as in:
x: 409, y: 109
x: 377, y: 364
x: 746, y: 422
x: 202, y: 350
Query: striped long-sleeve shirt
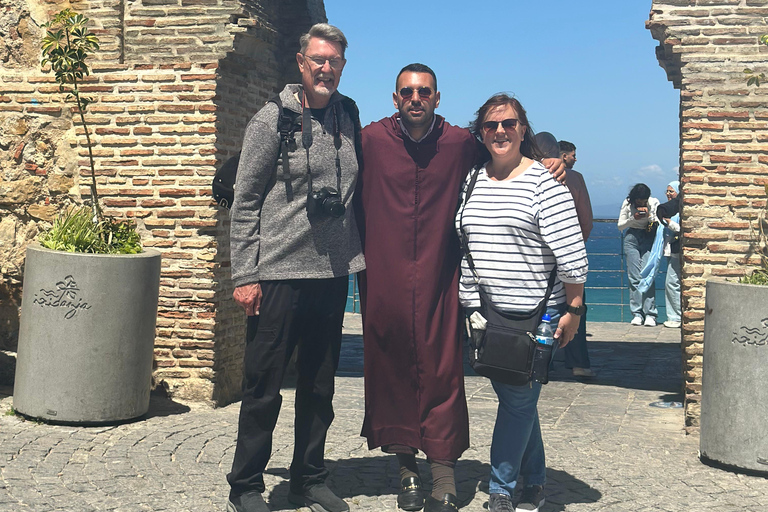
x: 517, y: 231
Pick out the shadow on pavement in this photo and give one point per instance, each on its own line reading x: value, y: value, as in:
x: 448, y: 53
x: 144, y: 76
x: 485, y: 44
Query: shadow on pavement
x: 160, y: 405
x: 7, y: 369
x: 378, y: 476
x: 647, y: 366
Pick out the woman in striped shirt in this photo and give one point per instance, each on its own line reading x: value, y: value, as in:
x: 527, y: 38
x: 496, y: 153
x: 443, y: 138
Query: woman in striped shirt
x: 519, y: 223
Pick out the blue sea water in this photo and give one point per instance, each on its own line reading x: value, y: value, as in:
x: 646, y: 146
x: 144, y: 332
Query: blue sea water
x: 607, y: 286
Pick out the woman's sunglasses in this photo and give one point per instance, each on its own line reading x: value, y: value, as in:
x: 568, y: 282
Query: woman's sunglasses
x: 424, y: 93
x: 507, y: 124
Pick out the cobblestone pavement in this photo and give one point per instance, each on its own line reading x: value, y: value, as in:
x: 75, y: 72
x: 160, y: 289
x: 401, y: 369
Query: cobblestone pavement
x: 607, y: 449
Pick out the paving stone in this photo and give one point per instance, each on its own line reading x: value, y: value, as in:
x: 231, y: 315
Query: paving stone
x: 607, y: 449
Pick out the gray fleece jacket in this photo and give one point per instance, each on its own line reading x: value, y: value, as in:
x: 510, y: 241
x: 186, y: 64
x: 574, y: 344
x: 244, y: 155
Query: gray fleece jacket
x: 271, y: 235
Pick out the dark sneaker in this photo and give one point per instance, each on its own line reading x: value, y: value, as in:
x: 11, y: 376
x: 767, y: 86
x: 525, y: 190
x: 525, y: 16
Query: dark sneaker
x: 500, y: 503
x: 531, y: 499
x: 319, y: 498
x: 247, y: 502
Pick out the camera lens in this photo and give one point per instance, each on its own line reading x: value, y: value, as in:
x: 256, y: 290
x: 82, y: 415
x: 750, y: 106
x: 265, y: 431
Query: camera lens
x: 334, y: 207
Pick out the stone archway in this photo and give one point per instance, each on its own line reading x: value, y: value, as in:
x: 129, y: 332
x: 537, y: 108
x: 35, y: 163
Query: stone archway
x: 704, y: 48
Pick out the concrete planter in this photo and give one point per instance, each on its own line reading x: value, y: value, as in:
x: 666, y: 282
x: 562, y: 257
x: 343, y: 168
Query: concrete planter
x: 734, y: 405
x: 86, y: 339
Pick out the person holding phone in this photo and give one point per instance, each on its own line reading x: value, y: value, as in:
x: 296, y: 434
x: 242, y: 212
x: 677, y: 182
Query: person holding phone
x: 638, y: 217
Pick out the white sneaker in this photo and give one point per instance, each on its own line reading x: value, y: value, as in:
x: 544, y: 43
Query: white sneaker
x: 638, y: 320
x: 649, y: 321
x: 671, y: 324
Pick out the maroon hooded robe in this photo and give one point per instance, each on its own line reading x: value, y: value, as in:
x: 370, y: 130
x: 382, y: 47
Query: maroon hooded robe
x: 407, y: 198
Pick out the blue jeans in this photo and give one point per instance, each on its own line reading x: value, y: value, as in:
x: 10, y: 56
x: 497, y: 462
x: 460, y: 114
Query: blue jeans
x: 637, y: 249
x: 517, y: 448
x: 672, y: 288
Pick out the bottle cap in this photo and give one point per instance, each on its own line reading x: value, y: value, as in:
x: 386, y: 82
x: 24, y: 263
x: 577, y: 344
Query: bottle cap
x: 546, y: 318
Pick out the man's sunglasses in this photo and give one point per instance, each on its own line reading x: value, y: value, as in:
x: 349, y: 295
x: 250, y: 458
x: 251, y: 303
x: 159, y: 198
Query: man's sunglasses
x: 424, y: 93
x: 507, y: 124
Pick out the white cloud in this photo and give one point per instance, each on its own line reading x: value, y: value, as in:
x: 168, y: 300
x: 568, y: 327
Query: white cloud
x: 650, y: 171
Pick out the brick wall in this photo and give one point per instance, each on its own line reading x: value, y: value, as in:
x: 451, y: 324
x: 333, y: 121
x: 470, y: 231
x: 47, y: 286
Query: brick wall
x: 175, y: 85
x: 704, y: 47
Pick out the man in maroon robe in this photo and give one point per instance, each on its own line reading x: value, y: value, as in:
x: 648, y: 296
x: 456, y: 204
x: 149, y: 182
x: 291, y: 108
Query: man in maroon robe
x: 413, y: 166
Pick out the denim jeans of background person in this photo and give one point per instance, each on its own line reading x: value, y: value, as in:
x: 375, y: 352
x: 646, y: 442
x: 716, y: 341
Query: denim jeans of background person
x: 290, y: 267
x: 637, y: 250
x: 672, y: 291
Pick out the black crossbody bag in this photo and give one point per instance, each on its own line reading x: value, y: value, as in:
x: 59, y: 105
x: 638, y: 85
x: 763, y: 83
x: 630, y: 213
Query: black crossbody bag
x: 504, y: 350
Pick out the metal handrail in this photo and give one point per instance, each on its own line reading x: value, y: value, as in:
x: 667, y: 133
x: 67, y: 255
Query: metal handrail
x: 354, y: 297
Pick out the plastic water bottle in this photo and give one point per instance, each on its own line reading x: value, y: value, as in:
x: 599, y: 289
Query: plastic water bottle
x: 545, y: 341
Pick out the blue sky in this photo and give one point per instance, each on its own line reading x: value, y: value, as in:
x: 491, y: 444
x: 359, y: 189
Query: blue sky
x: 587, y: 72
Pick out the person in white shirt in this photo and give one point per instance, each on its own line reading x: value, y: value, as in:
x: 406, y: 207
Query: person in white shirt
x: 638, y: 217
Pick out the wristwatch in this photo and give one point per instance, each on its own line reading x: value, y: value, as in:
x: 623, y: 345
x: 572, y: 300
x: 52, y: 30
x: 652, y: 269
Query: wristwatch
x: 578, y: 311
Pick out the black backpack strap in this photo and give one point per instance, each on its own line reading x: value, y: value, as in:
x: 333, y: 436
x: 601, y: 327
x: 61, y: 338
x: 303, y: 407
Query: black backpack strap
x: 288, y: 123
x: 350, y: 107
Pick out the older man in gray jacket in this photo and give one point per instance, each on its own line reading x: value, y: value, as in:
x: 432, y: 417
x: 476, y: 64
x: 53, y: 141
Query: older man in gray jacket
x: 294, y: 242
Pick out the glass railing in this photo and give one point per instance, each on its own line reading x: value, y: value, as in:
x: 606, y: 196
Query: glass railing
x: 607, y: 286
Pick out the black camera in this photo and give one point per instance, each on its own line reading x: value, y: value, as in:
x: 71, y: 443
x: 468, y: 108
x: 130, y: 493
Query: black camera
x: 326, y: 201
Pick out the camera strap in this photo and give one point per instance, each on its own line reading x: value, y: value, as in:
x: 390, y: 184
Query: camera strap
x: 337, y: 143
x: 306, y: 139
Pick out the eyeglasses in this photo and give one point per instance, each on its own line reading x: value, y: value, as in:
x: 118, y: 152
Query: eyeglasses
x: 320, y: 61
x: 507, y: 124
x: 424, y: 93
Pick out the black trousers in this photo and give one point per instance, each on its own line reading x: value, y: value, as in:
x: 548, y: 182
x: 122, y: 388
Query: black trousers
x: 308, y: 315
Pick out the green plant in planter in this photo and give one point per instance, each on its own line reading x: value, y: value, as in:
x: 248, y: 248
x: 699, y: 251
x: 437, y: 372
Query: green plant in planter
x: 66, y: 46
x: 759, y: 246
x: 74, y: 231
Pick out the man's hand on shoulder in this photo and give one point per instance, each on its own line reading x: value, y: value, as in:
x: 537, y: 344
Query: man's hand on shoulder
x: 248, y: 297
x: 556, y: 168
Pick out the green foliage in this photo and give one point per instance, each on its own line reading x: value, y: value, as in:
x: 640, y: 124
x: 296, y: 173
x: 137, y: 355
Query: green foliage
x: 66, y: 46
x: 759, y: 276
x: 752, y: 77
x: 75, y: 231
